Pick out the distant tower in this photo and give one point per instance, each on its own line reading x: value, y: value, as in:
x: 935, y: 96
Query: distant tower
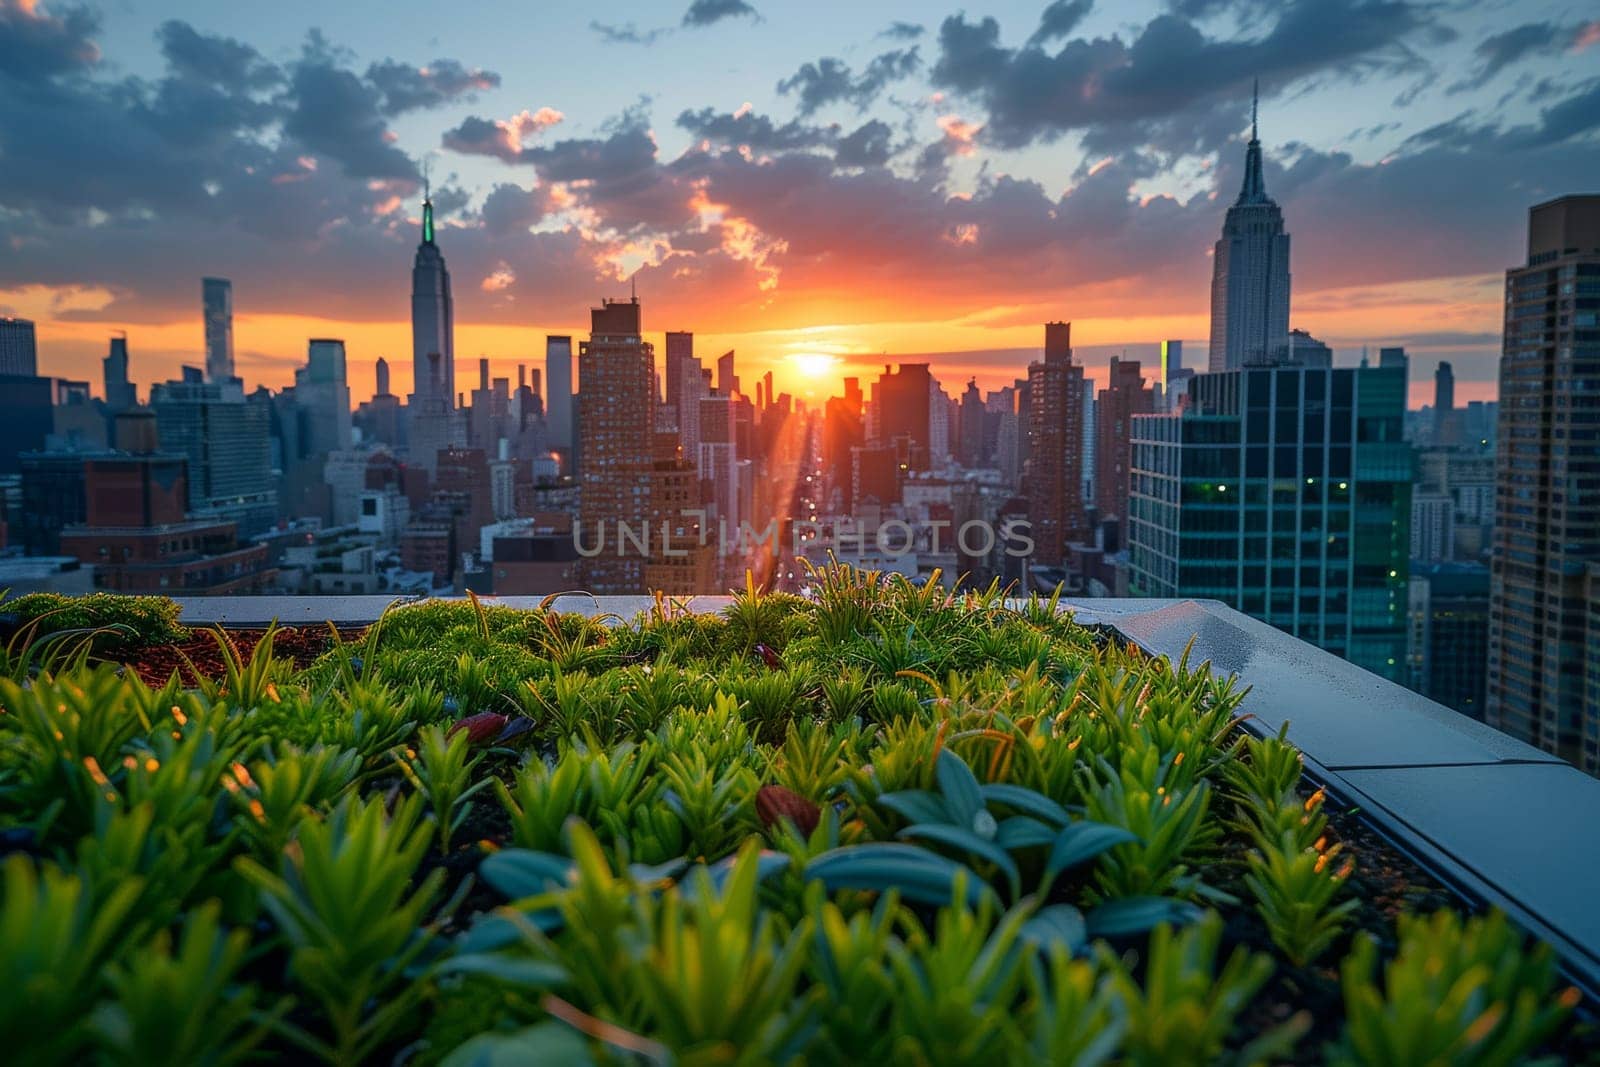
x: 217, y: 303
x: 120, y: 393
x: 1250, y: 274
x: 1444, y: 403
x: 433, y: 350
x: 383, y: 378
x: 19, y: 350
x: 558, y: 378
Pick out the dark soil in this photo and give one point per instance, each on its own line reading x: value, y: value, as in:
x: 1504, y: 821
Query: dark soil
x: 202, y: 654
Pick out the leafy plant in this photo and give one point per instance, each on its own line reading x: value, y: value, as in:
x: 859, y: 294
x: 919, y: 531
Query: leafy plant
x: 182, y: 1004
x: 54, y: 938
x: 344, y: 904
x: 1459, y: 992
x: 1183, y: 1009
x: 441, y: 772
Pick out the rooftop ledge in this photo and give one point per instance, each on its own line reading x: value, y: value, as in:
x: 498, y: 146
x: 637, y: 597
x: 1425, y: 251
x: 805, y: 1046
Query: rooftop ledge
x: 1499, y: 822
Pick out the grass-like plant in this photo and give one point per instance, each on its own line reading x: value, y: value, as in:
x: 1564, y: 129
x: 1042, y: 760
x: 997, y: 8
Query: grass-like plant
x: 441, y: 772
x: 1469, y: 993
x: 353, y: 923
x: 183, y: 1002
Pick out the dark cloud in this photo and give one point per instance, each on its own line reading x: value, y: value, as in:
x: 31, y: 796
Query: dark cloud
x: 36, y: 45
x: 707, y: 12
x: 628, y: 33
x: 409, y: 88
x: 903, y: 31
x: 1033, y: 94
x: 510, y: 208
x: 1059, y: 19
x: 756, y: 131
x: 221, y: 61
x: 481, y: 137
x: 337, y: 115
x: 1501, y: 50
x: 830, y: 80
x: 869, y: 145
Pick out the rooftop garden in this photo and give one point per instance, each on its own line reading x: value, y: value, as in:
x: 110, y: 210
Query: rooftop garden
x: 878, y: 825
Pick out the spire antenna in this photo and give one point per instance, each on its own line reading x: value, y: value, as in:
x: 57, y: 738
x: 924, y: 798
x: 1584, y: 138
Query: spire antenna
x: 1255, y: 97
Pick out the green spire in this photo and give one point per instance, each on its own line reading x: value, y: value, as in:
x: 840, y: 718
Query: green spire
x: 427, y: 214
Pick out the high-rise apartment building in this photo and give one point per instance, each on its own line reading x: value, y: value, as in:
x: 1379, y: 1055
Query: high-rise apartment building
x: 727, y: 376
x: 216, y: 308
x: 616, y: 430
x: 680, y: 353
x: 1053, y: 477
x: 1125, y: 396
x: 1547, y: 488
x: 1449, y: 634
x: 901, y: 403
x: 1250, y: 274
x: 19, y: 348
x: 1284, y: 492
x: 1446, y: 426
x: 225, y: 440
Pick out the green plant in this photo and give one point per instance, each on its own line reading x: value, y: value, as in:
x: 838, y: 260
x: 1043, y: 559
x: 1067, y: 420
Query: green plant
x: 54, y: 939
x: 958, y: 816
x: 183, y: 1004
x: 955, y: 986
x: 284, y: 786
x: 344, y: 904
x: 1467, y: 993
x: 1294, y: 889
x: 1166, y: 825
x: 121, y: 624
x: 442, y: 773
x: 1183, y: 1009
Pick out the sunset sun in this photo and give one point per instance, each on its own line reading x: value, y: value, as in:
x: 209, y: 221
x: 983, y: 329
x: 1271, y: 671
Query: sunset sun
x: 813, y: 365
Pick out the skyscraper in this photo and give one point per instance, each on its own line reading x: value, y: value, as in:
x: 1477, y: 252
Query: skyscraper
x: 1053, y: 477
x: 1250, y: 274
x: 1284, y: 492
x: 225, y: 440
x: 1547, y: 490
x: 1174, y: 375
x: 433, y: 349
x: 323, y: 394
x: 120, y: 392
x: 1444, y: 405
x: 558, y: 379
x: 1125, y: 396
x: 216, y: 298
x: 901, y: 403
x: 19, y: 348
x: 616, y: 429
x: 727, y: 377
x: 680, y: 351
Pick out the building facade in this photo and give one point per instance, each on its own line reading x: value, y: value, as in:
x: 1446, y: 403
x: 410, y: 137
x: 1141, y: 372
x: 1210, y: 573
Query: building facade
x: 1547, y: 487
x: 1053, y: 475
x: 1284, y: 492
x: 19, y: 348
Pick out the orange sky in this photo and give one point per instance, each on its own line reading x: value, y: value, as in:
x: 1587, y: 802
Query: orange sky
x: 270, y: 346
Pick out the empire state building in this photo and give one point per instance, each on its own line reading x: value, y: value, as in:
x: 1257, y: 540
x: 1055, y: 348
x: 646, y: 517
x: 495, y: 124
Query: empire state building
x: 433, y: 423
x: 1250, y: 275
x: 432, y: 324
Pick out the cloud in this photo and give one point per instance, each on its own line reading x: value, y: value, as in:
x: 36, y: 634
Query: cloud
x: 36, y: 45
x: 408, y: 88
x: 1171, y: 66
x: 708, y: 12
x: 510, y: 207
x: 628, y: 33
x: 220, y: 61
x: 336, y: 114
x: 869, y: 145
x: 745, y: 127
x: 502, y: 139
x: 1509, y: 47
x: 1059, y: 19
x: 830, y: 80
x: 903, y: 31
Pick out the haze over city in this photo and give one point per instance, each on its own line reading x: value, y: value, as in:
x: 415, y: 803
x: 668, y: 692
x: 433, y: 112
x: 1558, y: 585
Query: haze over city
x: 823, y: 187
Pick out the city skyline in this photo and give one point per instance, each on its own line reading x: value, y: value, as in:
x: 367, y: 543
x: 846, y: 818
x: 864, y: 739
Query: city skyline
x: 989, y: 216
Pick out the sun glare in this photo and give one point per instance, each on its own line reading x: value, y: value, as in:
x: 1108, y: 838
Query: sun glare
x: 814, y: 364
